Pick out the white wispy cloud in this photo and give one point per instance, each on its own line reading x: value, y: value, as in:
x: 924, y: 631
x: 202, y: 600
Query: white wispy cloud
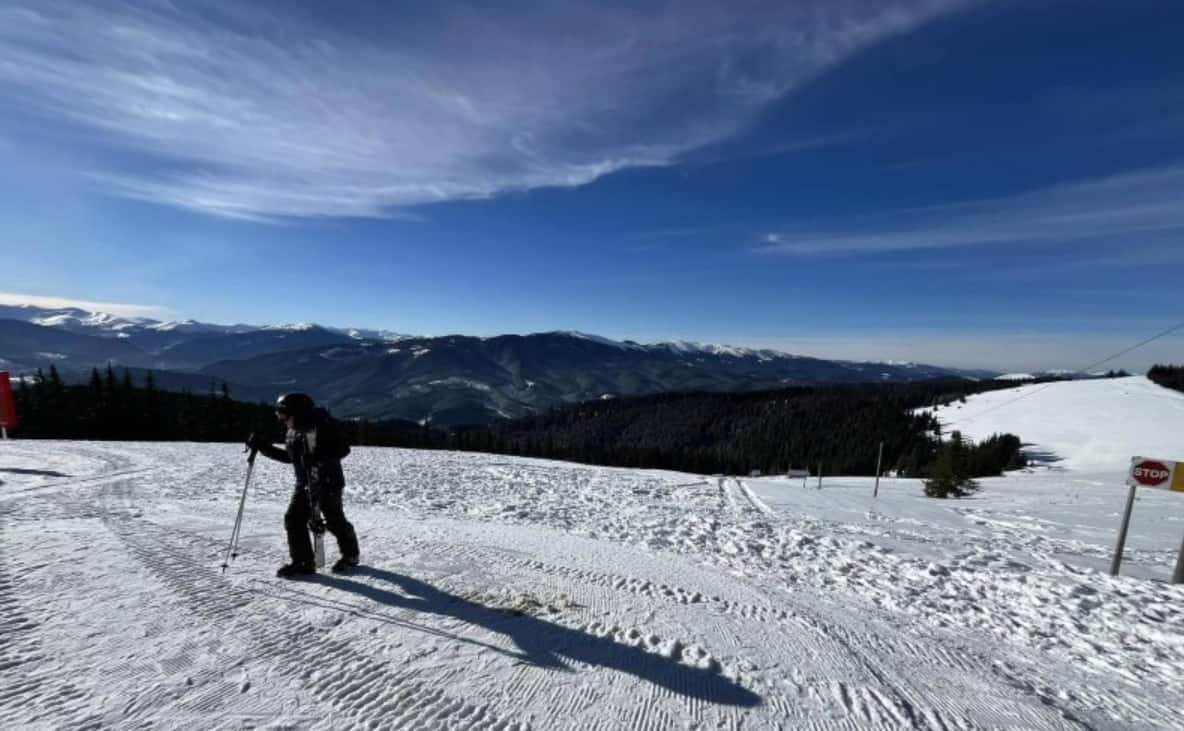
x: 1018, y: 349
x: 1141, y: 203
x: 113, y: 308
x: 256, y: 111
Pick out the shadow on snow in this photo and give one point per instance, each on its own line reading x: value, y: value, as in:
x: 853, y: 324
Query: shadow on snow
x: 546, y: 644
x: 43, y: 473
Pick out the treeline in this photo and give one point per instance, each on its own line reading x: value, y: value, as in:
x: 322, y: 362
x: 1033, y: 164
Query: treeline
x: 1168, y: 376
x: 112, y: 406
x: 837, y: 428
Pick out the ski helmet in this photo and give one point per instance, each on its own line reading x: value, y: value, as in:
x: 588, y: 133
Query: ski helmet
x: 294, y: 404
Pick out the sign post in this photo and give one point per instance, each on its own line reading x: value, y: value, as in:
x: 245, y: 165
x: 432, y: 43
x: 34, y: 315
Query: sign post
x: 1126, y: 521
x: 879, y: 462
x: 8, y: 418
x: 1154, y: 473
x: 1178, y: 574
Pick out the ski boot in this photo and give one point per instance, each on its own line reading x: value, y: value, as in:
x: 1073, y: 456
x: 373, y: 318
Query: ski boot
x: 296, y: 570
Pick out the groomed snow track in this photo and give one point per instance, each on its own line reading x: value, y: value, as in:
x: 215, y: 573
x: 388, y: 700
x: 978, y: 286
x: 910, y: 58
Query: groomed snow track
x: 115, y: 612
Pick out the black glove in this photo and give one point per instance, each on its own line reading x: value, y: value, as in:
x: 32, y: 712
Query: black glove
x: 256, y: 441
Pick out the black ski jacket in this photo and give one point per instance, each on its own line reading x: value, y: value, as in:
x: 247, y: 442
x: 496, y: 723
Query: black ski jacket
x: 315, y: 451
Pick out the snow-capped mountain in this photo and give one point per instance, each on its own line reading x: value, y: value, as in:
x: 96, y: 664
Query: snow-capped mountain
x: 364, y: 334
x: 146, y: 334
x: 156, y: 335
x: 457, y: 379
x: 384, y: 374
x: 75, y: 320
x: 27, y: 344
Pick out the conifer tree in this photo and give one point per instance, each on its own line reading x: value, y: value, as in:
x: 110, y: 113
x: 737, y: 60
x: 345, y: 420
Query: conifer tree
x: 153, y: 422
x: 949, y: 476
x: 225, y: 410
x: 24, y: 401
x: 111, y: 384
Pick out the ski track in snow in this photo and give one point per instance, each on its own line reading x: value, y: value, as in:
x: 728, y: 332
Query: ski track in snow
x: 508, y: 593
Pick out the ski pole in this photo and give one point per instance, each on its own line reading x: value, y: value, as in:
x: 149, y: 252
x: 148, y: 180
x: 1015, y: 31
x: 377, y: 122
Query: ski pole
x: 238, y: 522
x: 232, y: 548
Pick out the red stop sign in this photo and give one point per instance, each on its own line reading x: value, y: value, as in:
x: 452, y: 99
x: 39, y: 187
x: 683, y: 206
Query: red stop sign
x: 1150, y: 473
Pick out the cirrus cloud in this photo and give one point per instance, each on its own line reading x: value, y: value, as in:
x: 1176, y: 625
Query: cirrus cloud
x: 256, y: 110
x: 1136, y: 205
x: 18, y: 299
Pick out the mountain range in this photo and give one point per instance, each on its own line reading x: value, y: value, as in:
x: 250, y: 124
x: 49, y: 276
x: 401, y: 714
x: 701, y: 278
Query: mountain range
x: 381, y: 374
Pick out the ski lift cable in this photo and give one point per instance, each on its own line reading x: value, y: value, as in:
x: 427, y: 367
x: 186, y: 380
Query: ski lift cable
x: 1086, y: 369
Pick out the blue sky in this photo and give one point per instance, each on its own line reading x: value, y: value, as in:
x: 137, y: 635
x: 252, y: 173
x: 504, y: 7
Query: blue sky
x: 994, y: 184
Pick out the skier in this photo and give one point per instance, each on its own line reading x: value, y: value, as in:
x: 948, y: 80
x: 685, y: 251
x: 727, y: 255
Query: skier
x: 315, y: 448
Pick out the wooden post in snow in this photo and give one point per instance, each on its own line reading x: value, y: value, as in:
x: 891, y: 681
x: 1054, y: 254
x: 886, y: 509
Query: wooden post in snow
x: 879, y: 462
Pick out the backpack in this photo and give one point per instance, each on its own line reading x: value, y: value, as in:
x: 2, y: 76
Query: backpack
x: 330, y: 442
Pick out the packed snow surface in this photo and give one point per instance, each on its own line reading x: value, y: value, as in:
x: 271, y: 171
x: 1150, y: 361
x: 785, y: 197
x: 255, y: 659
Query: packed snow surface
x: 1080, y: 425
x: 515, y: 593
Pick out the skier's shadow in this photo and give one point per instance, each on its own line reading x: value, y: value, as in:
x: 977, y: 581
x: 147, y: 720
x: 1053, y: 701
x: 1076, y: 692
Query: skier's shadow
x: 546, y: 644
x: 42, y: 473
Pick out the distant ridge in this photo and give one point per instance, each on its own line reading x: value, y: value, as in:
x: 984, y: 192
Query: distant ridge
x: 451, y: 379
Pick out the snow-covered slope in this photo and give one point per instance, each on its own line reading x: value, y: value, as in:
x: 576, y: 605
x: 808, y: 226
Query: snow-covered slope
x: 513, y: 593
x: 1084, y: 425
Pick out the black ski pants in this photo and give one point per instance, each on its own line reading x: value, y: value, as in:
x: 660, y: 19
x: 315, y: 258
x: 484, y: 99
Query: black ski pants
x: 296, y: 524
